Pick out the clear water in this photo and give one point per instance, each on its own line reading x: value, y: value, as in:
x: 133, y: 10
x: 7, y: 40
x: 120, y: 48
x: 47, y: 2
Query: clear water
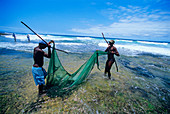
x: 141, y: 85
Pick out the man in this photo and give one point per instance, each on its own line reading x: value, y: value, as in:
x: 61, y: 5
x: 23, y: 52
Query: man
x: 28, y: 37
x: 14, y: 37
x: 111, y: 51
x: 38, y: 71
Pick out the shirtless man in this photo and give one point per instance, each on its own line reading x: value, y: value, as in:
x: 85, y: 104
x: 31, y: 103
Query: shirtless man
x: 112, y: 50
x: 14, y: 37
x: 28, y: 37
x: 38, y: 71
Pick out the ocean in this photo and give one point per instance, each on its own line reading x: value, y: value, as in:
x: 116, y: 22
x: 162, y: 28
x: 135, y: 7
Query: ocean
x: 142, y: 84
x: 80, y: 44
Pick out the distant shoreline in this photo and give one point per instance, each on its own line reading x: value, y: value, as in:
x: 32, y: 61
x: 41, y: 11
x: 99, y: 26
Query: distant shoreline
x: 4, y: 33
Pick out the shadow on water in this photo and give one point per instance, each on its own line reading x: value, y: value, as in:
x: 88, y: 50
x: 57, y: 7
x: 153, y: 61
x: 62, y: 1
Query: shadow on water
x: 5, y: 72
x: 52, y: 92
x: 150, y: 54
x: 64, y: 93
x: 35, y: 106
x: 142, y: 91
x: 149, y: 66
x: 138, y: 70
x: 4, y: 51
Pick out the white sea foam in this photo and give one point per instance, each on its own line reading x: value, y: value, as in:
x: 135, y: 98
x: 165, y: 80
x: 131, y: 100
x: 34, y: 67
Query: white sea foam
x: 124, y: 40
x: 78, y: 44
x: 50, y: 37
x: 18, y: 46
x: 8, y: 36
x: 35, y: 37
x: 138, y: 48
x: 61, y: 41
x: 155, y: 43
x: 146, y: 49
x: 103, y: 44
x: 84, y: 38
x: 23, y: 37
x: 64, y: 39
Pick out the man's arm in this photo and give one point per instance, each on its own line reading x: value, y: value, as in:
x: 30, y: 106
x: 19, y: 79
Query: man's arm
x: 49, y: 50
x: 116, y: 53
x: 49, y: 53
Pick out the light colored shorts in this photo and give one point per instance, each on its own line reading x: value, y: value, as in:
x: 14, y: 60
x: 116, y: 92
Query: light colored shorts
x: 39, y: 75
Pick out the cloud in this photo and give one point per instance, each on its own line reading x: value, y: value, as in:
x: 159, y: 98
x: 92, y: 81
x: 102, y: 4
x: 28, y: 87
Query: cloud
x: 123, y: 29
x: 109, y: 3
x: 132, y: 21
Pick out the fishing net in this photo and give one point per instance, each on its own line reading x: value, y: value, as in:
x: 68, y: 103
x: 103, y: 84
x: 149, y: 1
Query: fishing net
x: 63, y: 81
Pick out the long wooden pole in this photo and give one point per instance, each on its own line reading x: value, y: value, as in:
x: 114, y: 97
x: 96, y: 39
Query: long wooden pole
x: 115, y: 59
x: 105, y: 39
x: 40, y: 37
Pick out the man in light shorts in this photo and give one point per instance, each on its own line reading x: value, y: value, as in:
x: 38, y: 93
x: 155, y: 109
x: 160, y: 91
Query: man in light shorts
x: 38, y: 71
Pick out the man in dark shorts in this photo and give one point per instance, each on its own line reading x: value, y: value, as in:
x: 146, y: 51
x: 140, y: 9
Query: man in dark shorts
x: 38, y: 71
x: 111, y: 51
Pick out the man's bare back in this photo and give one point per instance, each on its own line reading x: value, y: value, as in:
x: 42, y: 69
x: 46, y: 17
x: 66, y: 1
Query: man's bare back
x: 39, y: 55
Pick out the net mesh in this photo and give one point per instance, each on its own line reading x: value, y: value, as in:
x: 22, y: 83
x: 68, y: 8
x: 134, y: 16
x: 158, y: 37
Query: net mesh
x: 63, y: 81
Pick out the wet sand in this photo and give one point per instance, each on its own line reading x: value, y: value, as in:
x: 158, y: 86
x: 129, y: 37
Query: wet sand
x: 141, y: 85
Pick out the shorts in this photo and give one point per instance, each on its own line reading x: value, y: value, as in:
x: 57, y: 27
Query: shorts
x: 39, y: 75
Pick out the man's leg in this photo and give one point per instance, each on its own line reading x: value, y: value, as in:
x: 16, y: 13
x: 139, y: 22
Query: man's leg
x: 109, y: 67
x: 106, y: 67
x: 40, y: 89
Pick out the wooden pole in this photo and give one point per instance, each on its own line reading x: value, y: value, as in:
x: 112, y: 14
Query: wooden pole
x: 40, y: 37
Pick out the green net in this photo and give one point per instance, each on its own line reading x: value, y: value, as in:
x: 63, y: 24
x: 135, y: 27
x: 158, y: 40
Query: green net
x: 63, y: 81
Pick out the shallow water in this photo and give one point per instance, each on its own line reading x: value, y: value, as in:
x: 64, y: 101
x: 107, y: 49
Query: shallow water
x: 141, y: 85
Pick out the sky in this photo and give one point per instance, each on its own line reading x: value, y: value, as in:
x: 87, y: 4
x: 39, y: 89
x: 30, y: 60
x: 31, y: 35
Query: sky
x: 129, y: 19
